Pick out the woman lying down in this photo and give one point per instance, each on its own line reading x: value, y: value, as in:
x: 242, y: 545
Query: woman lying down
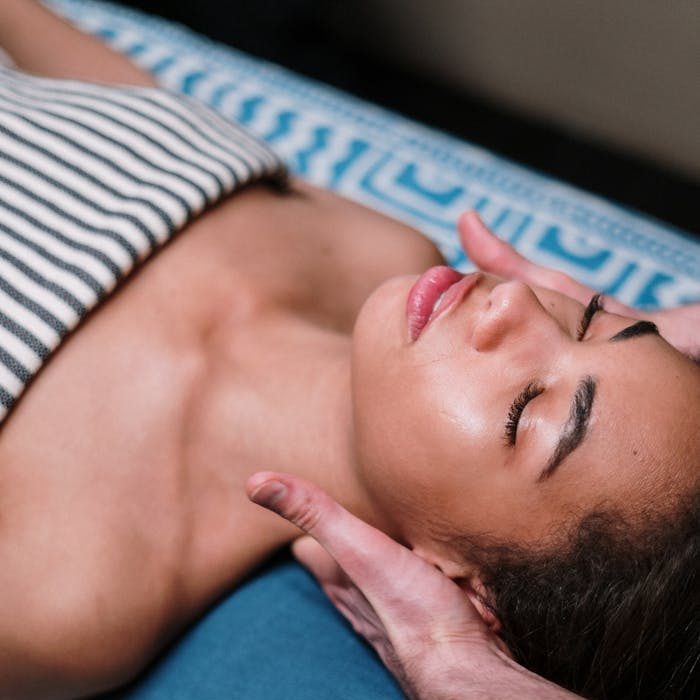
x: 542, y: 452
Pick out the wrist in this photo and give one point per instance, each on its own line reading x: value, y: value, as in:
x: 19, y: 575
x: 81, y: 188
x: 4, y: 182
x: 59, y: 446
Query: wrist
x: 462, y: 672
x: 486, y: 674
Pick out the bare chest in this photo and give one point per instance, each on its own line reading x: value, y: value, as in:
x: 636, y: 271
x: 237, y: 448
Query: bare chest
x: 146, y: 423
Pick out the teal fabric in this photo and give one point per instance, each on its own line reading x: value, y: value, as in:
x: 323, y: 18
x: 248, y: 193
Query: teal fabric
x: 276, y: 638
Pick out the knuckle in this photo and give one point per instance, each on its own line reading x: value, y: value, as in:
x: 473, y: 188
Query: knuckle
x: 305, y: 513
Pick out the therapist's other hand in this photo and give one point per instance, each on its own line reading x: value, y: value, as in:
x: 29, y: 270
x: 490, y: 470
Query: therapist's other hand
x: 424, y: 626
x: 680, y: 326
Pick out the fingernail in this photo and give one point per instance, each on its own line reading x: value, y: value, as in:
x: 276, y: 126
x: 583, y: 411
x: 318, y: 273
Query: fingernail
x: 269, y: 494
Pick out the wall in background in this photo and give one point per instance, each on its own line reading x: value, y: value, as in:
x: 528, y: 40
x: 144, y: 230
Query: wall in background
x: 625, y: 72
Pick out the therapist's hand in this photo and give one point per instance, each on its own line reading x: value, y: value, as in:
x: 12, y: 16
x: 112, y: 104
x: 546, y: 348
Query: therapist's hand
x: 680, y: 326
x: 423, y: 626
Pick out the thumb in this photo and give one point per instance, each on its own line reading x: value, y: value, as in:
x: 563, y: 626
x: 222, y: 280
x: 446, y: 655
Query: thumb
x: 488, y: 252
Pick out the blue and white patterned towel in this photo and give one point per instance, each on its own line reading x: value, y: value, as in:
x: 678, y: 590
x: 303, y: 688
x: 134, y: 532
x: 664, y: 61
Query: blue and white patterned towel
x: 413, y: 173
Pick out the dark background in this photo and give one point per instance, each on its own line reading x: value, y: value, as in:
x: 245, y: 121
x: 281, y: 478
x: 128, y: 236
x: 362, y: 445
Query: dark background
x: 299, y: 34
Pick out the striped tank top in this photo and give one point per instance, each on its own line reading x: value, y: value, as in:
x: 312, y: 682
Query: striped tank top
x: 93, y: 180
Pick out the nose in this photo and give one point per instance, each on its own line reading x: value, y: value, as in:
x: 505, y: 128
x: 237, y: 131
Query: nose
x: 512, y: 312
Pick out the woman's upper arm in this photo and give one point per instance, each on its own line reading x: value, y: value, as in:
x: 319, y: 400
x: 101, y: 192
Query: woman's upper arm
x: 40, y: 42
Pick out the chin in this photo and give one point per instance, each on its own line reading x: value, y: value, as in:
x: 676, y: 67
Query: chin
x: 381, y: 323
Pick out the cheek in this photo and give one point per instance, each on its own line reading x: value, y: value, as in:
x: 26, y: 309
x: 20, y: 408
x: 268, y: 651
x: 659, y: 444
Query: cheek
x: 424, y: 436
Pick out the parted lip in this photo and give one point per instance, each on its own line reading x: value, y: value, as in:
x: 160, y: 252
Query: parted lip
x: 433, y: 293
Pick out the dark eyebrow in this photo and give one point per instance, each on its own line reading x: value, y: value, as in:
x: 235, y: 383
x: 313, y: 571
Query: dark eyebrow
x: 635, y: 330
x: 576, y: 426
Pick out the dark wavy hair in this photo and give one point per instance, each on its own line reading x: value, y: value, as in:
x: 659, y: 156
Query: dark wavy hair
x: 614, y: 613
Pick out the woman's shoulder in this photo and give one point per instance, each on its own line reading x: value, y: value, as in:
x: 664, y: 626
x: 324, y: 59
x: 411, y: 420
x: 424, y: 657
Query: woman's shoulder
x: 324, y: 253
x: 372, y: 244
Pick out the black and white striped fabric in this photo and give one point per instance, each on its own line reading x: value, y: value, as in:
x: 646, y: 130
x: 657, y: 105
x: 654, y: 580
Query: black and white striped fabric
x: 93, y: 180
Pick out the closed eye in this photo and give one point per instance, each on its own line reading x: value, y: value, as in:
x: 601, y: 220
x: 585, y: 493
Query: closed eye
x: 531, y: 391
x: 594, y: 305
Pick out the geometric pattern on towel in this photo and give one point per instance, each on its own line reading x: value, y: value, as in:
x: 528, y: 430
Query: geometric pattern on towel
x: 417, y: 174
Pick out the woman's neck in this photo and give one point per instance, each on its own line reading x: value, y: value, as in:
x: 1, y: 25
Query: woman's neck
x: 288, y: 398
x: 329, y: 437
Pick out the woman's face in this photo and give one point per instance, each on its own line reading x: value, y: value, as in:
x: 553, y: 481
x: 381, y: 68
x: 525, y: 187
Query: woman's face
x: 501, y: 417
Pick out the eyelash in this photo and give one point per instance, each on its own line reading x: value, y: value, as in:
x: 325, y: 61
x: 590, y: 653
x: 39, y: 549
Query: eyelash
x: 531, y: 391
x: 594, y: 305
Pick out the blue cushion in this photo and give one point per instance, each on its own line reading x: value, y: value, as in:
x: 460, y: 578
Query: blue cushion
x: 276, y: 638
